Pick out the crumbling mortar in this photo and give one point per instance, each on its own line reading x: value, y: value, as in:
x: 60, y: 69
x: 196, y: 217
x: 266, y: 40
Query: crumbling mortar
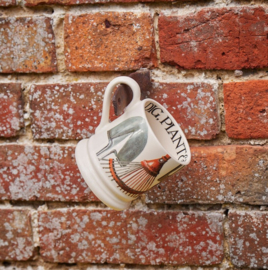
x: 222, y: 139
x: 226, y: 229
x: 156, y: 34
x: 37, y: 264
x: 192, y: 8
x: 34, y: 224
x: 174, y: 8
x: 179, y: 8
x: 140, y: 204
x: 5, y: 204
x: 58, y: 28
x: 221, y: 104
x: 76, y: 205
x: 42, y: 265
x: 26, y: 132
x: 227, y: 258
x: 163, y: 73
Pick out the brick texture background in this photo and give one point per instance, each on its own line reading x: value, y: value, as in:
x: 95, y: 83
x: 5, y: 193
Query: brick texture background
x: 27, y: 45
x: 109, y: 41
x: 7, y: 3
x: 208, y: 62
x: 225, y: 38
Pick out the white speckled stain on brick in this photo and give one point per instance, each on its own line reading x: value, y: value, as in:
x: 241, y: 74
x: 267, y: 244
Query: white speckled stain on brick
x: 217, y: 175
x: 193, y: 105
x: 146, y: 237
x: 68, y: 111
x: 26, y: 184
x: 11, y: 109
x: 248, y: 239
x: 6, y: 3
x: 27, y: 49
x: 16, y: 241
x: 44, y: 173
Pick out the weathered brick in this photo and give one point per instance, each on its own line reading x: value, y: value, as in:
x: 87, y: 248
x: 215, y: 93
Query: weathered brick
x: 109, y: 41
x: 133, y: 237
x: 16, y: 241
x: 248, y: 240
x: 193, y: 105
x: 31, y: 3
x: 246, y: 109
x: 45, y: 173
x: 11, y: 113
x: 72, y: 111
x: 27, y: 44
x: 66, y: 111
x: 222, y: 38
x: 7, y: 3
x: 218, y: 174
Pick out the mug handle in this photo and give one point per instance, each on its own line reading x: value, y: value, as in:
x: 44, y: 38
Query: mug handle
x: 107, y: 97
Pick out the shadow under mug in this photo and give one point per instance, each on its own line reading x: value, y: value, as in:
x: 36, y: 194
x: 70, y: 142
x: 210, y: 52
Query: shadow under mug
x: 133, y: 153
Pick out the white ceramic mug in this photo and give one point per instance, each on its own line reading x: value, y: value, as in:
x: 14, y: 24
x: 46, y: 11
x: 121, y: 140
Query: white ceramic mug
x: 130, y: 155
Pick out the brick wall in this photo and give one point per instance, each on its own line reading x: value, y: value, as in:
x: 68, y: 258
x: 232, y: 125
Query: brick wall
x: 209, y: 66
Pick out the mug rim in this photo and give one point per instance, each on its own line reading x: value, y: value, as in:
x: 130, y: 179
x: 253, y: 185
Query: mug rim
x: 185, y: 141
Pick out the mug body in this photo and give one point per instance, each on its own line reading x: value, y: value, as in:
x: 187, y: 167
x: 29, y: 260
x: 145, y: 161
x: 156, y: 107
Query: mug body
x: 130, y: 155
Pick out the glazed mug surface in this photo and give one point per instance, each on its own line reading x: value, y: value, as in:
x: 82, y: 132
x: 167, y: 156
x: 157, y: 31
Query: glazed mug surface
x: 133, y: 153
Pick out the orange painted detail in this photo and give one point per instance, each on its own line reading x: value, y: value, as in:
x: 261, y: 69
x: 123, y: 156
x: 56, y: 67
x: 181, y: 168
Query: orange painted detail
x: 154, y: 166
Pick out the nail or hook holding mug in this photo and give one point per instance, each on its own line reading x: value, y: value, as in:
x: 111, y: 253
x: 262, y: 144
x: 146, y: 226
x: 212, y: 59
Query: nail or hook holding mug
x: 133, y: 153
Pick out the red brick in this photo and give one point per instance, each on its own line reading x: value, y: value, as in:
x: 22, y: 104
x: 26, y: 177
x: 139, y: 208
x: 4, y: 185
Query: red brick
x: 68, y: 111
x: 246, y: 109
x: 132, y: 237
x: 109, y: 41
x: 222, y: 38
x: 11, y: 113
x: 7, y: 3
x: 27, y: 44
x: 248, y: 239
x: 193, y: 105
x: 44, y: 173
x: 218, y: 174
x: 72, y: 111
x: 16, y: 241
x: 31, y: 3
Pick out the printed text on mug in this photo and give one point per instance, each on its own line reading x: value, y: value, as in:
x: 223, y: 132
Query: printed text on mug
x: 169, y: 126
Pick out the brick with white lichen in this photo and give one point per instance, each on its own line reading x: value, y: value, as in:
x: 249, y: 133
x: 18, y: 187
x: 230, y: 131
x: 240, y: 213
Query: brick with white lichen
x: 44, y: 173
x: 16, y: 240
x: 66, y: 111
x: 248, y: 240
x: 72, y: 111
x: 27, y: 44
x: 218, y: 174
x: 132, y: 237
x: 11, y: 113
x: 7, y: 3
x: 193, y: 105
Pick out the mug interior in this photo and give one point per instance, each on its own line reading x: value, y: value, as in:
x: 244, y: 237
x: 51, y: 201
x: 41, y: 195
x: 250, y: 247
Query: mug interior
x: 167, y: 131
